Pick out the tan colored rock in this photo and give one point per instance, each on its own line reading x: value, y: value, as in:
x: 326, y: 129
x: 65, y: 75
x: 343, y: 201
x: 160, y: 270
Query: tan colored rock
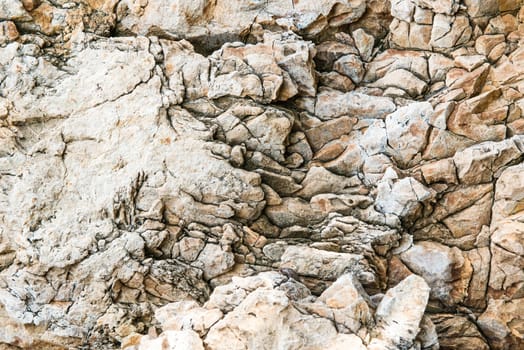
x: 349, y: 162
x: 506, y: 241
x: 261, y: 311
x: 486, y: 43
x: 471, y: 83
x: 350, y: 66
x: 364, y: 43
x: 397, y: 271
x: 502, y: 24
x: 161, y: 160
x: 293, y: 211
x: 187, y: 315
x: 266, y: 132
x: 8, y: 32
x: 516, y: 127
x: 214, y: 261
x: 420, y: 36
x: 438, y: 66
x: 257, y: 320
x: 333, y: 104
x: 327, y: 52
x: 470, y: 62
x: 508, y: 193
x: 445, y: 270
x: 201, y: 21
x: 449, y: 31
x: 298, y: 143
x: 456, y: 332
x: 348, y: 12
x: 478, y: 163
x: 423, y: 16
x: 190, y: 248
x: 281, y: 74
x: 443, y: 144
x: 331, y: 150
x: 461, y: 198
x: 400, y: 33
x: 477, y: 8
x: 502, y: 323
x: 187, y: 71
x: 440, y: 171
x: 479, y: 259
x: 30, y: 5
x: 391, y: 60
x: 319, y: 263
x: 509, y: 71
x: 402, y: 79
x: 410, y: 35
x: 330, y: 130
x: 471, y: 220
x: 461, y: 204
x: 282, y: 184
x: 177, y: 340
x: 336, y: 81
x: 319, y: 180
x: 402, y: 9
x: 345, y: 298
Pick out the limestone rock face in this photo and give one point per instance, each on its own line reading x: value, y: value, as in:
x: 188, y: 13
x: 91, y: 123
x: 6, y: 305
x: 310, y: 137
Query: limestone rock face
x: 248, y: 174
x: 279, y: 312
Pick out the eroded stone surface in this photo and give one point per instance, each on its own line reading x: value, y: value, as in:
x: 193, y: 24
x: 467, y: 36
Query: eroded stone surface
x: 261, y: 174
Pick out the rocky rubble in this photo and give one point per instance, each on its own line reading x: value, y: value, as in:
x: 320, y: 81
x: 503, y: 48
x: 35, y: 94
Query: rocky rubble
x: 272, y: 311
x: 261, y: 174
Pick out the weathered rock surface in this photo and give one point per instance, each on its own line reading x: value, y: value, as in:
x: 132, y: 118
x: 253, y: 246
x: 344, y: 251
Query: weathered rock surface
x: 272, y: 311
x: 261, y: 174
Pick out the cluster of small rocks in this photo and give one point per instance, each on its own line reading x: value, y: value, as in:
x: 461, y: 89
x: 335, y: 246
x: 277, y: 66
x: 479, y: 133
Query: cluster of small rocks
x: 239, y: 174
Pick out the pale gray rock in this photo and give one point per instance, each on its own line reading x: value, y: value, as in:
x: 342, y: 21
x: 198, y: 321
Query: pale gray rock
x: 407, y: 131
x: 350, y: 66
x: 403, y: 80
x: 347, y: 299
x: 398, y: 319
x: 219, y: 20
x: 293, y: 211
x: 13, y: 10
x: 401, y: 197
x: 319, y: 263
x: 499, y: 322
x: 263, y: 315
x: 449, y: 31
x: 319, y: 180
x: 477, y: 164
x: 168, y: 169
x: 445, y: 270
x: 176, y: 340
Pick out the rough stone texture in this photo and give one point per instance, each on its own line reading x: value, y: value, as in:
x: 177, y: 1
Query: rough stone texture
x: 272, y: 311
x: 302, y: 174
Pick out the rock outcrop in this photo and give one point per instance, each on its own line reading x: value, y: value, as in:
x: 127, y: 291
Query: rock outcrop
x: 262, y: 174
x: 274, y: 311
